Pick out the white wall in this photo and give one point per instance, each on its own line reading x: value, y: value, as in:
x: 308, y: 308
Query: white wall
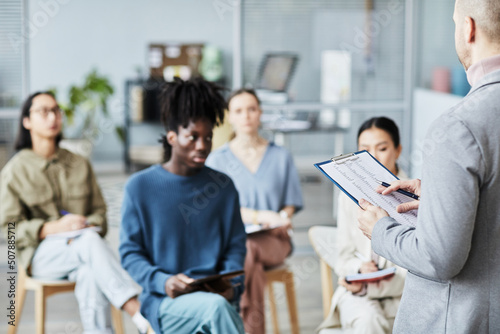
x: 69, y: 37
x: 436, y: 39
x: 428, y: 106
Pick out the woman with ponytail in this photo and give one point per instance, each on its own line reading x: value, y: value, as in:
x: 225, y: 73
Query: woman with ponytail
x: 366, y: 308
x: 270, y: 194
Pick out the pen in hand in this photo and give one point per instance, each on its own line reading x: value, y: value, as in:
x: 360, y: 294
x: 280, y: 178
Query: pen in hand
x: 361, y: 257
x: 64, y: 213
x: 365, y: 259
x: 401, y: 191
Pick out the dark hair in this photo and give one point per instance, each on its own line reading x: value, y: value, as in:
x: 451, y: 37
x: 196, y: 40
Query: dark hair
x: 23, y: 139
x: 242, y: 91
x: 382, y: 123
x: 186, y: 101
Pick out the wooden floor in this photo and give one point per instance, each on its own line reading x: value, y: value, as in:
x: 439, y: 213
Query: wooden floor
x: 62, y: 310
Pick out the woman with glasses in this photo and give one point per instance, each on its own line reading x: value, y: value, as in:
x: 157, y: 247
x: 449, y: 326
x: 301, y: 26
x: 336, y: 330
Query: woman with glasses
x: 51, y: 198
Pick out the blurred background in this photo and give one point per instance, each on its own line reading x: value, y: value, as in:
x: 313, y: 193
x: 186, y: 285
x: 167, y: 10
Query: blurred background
x: 320, y: 68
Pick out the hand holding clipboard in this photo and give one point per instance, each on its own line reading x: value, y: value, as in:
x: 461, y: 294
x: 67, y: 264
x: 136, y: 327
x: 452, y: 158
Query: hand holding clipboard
x: 357, y: 175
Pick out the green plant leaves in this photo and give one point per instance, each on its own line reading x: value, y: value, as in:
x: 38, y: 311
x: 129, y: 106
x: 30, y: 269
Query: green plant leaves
x: 89, y: 99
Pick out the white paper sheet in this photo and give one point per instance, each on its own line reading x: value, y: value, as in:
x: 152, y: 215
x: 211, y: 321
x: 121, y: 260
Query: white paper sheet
x: 73, y: 234
x: 358, y: 177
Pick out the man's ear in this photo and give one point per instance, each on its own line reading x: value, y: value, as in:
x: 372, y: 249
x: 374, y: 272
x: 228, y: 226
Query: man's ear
x: 27, y: 123
x: 469, y: 30
x: 171, y: 138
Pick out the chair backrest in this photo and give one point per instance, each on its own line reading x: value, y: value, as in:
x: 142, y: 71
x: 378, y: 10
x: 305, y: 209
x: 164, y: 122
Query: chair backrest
x: 324, y: 242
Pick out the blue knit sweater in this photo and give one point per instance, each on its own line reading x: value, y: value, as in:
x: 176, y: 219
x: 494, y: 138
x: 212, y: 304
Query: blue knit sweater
x: 175, y: 224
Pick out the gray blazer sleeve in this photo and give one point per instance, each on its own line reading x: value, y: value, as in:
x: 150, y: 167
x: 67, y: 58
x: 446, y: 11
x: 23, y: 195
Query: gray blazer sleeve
x: 452, y: 175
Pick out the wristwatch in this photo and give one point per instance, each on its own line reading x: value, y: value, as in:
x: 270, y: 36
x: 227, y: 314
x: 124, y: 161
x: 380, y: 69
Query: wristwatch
x: 283, y: 214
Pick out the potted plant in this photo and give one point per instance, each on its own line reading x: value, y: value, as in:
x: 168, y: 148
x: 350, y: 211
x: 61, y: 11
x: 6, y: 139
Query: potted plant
x: 86, y: 114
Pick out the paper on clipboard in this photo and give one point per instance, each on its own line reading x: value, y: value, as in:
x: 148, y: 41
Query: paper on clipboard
x: 356, y: 174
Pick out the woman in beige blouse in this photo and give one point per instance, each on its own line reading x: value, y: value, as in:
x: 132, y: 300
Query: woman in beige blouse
x: 366, y: 308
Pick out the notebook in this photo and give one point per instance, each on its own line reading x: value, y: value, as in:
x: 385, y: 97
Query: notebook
x: 371, y: 277
x: 356, y: 174
x: 211, y: 278
x: 73, y: 234
x: 257, y: 228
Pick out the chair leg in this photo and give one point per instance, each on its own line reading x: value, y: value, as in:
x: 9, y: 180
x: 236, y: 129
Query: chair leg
x: 20, y: 297
x: 292, y: 306
x: 272, y: 305
x: 40, y: 310
x: 116, y: 316
x: 326, y: 287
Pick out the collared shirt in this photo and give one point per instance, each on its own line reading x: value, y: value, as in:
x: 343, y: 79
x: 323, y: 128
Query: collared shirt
x: 34, y: 190
x: 477, y: 71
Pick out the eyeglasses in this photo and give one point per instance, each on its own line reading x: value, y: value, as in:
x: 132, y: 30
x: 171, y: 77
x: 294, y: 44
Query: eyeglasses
x: 44, y: 112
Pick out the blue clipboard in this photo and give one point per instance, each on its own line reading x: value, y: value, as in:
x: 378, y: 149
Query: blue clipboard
x: 342, y: 158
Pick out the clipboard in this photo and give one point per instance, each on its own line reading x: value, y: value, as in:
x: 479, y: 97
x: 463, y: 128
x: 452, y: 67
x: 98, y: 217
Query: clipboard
x: 356, y: 174
x: 206, y: 279
x: 371, y: 277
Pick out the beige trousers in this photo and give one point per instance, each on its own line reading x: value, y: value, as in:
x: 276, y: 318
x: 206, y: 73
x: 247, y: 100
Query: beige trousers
x: 363, y: 315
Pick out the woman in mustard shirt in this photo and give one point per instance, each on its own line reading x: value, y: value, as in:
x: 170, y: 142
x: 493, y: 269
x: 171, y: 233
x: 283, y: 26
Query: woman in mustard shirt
x: 52, y: 198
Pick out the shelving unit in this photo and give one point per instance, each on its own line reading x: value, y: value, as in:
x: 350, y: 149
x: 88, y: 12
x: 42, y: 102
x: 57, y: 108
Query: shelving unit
x: 383, y: 68
x: 147, y: 151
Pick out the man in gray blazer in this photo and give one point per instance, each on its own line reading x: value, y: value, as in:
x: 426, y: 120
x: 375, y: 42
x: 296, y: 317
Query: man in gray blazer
x: 453, y: 254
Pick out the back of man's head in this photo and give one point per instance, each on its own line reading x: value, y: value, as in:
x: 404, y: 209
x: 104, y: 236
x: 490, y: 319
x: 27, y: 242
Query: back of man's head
x: 486, y: 15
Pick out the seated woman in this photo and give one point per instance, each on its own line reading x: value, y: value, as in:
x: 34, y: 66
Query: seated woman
x: 366, y: 308
x: 181, y: 221
x: 269, y: 192
x: 46, y: 190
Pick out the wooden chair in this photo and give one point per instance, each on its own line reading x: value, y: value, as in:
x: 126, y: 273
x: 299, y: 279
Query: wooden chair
x: 44, y: 289
x: 283, y: 275
x: 324, y: 241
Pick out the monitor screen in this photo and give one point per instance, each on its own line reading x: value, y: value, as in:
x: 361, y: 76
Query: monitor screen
x: 276, y: 71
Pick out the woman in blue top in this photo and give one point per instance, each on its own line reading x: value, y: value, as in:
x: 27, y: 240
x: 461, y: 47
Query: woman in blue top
x: 269, y: 189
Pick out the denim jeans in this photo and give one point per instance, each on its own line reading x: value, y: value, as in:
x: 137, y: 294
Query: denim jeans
x: 199, y: 312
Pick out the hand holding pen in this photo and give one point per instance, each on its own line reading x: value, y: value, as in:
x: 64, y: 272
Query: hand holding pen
x: 368, y: 266
x: 68, y: 222
x: 410, y: 188
x: 71, y: 222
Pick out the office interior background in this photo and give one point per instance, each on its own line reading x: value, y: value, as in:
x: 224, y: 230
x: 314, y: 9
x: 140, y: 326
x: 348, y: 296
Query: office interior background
x: 396, y: 58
